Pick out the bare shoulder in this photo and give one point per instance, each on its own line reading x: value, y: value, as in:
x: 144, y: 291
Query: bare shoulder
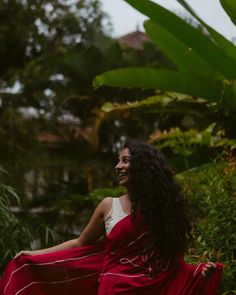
x: 123, y: 197
x: 105, y: 205
x: 106, y: 201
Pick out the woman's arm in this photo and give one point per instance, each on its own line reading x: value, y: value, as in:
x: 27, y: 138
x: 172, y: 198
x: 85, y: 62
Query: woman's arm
x: 96, y: 227
x: 92, y: 232
x: 66, y: 245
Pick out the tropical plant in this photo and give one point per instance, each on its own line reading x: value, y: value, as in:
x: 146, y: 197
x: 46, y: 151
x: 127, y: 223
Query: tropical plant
x: 210, y: 190
x: 205, y: 61
x: 198, y: 56
x: 202, y: 85
x: 192, y: 147
x: 16, y: 235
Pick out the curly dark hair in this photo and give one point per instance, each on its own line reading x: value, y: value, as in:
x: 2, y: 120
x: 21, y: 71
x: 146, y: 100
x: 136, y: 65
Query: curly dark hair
x: 158, y: 197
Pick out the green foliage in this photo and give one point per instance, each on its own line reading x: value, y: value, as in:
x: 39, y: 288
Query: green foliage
x: 51, y: 124
x: 182, y: 82
x: 186, y: 143
x: 15, y: 236
x: 183, y: 56
x: 230, y: 8
x: 205, y: 67
x: 191, y: 36
x: 159, y: 101
x: 48, y: 77
x: 54, y: 141
x: 221, y: 41
x: 210, y: 190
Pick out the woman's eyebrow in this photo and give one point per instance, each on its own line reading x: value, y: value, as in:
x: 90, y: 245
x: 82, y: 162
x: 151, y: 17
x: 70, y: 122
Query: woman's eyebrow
x: 125, y: 157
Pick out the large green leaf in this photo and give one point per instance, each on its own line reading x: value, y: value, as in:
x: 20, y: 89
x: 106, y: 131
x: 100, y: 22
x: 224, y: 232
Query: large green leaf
x: 195, y: 85
x: 189, y: 35
x: 184, y: 57
x: 222, y: 42
x: 230, y: 8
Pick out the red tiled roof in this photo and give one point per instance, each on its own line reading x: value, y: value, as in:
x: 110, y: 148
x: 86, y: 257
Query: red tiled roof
x: 134, y: 40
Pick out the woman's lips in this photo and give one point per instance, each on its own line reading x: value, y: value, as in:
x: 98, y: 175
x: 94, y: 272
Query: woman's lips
x: 122, y: 175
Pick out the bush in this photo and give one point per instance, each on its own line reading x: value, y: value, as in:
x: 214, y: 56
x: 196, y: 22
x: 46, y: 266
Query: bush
x: 14, y: 235
x: 211, y: 191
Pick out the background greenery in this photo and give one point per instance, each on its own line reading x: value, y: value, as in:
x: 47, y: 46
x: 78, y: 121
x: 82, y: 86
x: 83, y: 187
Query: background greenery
x: 210, y: 190
x: 59, y: 136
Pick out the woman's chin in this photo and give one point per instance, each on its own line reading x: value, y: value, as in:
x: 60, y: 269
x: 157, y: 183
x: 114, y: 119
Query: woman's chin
x: 123, y: 183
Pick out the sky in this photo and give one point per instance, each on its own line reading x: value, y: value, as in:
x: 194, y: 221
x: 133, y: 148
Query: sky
x: 126, y: 19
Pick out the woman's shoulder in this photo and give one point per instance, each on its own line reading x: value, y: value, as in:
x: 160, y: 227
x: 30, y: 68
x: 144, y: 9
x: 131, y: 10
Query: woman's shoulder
x: 105, y: 205
x: 106, y: 201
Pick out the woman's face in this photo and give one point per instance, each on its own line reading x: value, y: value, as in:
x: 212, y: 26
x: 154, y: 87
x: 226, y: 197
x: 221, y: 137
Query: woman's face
x: 122, y: 167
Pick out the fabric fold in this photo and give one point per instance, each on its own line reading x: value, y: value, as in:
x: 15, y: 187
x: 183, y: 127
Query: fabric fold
x: 125, y: 263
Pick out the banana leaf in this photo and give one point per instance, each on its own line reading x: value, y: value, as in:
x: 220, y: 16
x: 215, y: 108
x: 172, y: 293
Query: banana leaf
x: 219, y: 91
x: 184, y: 57
x: 223, y: 43
x: 230, y: 8
x: 191, y: 36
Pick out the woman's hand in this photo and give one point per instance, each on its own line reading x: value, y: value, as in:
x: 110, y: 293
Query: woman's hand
x: 25, y: 252
x: 208, y: 269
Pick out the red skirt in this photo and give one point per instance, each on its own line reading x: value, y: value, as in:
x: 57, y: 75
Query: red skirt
x: 124, y: 264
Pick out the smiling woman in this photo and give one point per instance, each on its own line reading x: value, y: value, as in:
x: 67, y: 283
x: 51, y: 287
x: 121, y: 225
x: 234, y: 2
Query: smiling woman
x: 145, y: 233
x: 122, y: 168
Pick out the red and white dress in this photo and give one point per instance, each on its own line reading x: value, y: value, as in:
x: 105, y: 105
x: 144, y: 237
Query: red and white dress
x: 123, y: 264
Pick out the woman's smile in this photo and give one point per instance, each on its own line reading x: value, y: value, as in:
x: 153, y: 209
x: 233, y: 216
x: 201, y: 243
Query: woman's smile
x: 122, y: 168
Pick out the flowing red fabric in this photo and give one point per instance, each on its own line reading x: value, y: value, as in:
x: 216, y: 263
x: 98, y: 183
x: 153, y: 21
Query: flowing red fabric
x: 124, y: 264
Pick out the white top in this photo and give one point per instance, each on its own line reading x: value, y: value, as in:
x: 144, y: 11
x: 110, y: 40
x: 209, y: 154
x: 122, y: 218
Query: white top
x: 115, y: 215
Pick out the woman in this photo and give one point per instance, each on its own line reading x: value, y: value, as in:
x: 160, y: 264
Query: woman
x: 146, y: 233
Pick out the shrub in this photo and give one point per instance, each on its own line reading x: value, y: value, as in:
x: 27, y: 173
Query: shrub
x: 14, y: 235
x: 211, y: 191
